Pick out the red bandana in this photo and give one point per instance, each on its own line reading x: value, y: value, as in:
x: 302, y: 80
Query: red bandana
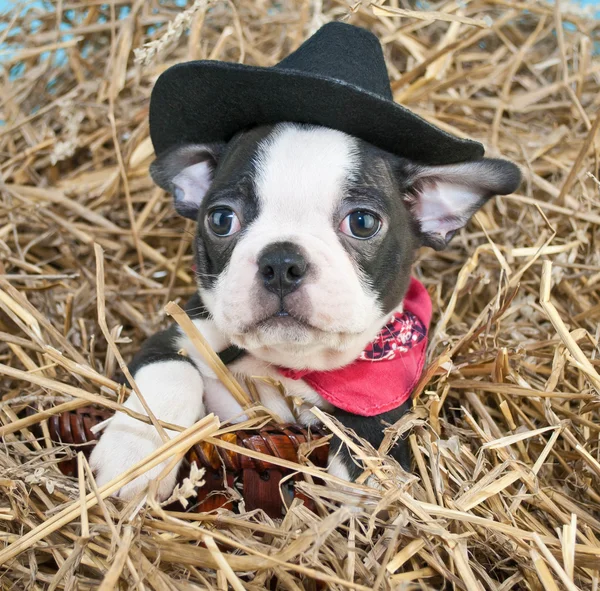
x: 387, y: 371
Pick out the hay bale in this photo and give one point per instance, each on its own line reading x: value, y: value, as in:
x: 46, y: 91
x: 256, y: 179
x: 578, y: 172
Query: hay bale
x: 506, y: 488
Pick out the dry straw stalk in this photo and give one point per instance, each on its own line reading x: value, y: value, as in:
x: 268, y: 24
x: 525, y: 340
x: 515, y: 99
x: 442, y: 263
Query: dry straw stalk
x: 506, y: 431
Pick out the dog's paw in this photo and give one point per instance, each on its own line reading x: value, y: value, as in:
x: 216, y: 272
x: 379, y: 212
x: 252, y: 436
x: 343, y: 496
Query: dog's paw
x: 124, y: 444
x: 174, y: 392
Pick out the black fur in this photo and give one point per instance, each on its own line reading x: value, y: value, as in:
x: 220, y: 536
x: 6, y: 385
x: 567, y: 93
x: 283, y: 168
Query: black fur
x: 164, y: 169
x: 371, y: 429
x: 385, y: 259
x: 162, y: 345
x: 159, y: 347
x: 233, y: 187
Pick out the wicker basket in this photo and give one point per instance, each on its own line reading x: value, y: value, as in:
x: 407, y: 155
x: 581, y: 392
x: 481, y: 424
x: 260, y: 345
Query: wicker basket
x: 259, y: 482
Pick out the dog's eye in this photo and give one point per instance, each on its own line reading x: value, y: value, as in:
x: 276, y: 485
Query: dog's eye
x: 223, y: 221
x: 361, y: 224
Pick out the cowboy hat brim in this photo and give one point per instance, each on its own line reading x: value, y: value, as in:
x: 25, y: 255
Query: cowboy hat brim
x: 210, y: 101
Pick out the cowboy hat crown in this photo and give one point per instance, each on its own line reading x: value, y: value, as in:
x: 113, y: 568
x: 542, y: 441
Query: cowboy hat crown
x: 337, y: 78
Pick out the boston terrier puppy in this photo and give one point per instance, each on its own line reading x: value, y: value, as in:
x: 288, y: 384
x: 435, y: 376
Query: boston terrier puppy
x: 303, y: 249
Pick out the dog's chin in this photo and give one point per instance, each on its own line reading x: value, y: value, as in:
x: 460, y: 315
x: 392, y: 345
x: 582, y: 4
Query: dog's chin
x: 289, y: 335
x: 279, y: 331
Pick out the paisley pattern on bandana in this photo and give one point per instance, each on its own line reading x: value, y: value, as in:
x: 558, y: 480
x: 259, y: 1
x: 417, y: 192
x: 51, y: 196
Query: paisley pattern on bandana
x: 401, y: 333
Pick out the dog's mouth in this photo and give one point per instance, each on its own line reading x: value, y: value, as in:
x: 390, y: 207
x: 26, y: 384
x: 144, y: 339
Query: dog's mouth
x: 281, y: 327
x: 283, y: 338
x: 287, y: 323
x: 282, y: 319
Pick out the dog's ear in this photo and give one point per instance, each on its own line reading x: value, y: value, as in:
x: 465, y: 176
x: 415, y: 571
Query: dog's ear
x: 443, y: 198
x: 187, y: 172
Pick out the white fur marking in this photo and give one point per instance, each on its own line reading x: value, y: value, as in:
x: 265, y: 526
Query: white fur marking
x: 337, y: 468
x: 270, y: 397
x: 302, y: 173
x: 220, y: 401
x: 174, y: 392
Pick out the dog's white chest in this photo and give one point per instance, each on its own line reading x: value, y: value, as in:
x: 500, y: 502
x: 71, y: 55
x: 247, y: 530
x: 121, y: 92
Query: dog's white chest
x: 294, y: 405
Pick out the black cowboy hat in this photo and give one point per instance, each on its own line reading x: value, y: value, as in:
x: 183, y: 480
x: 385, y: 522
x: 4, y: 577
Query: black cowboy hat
x: 337, y: 78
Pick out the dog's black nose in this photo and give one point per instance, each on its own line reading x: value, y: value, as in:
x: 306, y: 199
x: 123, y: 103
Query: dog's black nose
x: 282, y: 267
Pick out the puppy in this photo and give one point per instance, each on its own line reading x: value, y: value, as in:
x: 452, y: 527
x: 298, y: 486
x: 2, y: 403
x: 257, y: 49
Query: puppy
x: 303, y: 249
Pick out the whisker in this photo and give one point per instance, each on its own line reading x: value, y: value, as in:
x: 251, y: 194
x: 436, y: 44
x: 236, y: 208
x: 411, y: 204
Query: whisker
x: 195, y: 308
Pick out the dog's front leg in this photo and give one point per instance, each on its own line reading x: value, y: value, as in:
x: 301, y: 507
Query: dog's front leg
x: 173, y: 390
x: 342, y: 464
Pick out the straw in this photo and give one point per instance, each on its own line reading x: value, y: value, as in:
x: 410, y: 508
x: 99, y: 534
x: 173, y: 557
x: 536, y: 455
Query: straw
x: 504, y: 490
